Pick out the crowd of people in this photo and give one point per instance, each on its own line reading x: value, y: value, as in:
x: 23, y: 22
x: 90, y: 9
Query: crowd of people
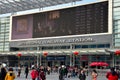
x: 81, y: 73
x: 39, y: 73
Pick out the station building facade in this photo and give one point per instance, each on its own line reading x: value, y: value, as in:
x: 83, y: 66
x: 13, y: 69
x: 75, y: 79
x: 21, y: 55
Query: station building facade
x: 86, y: 29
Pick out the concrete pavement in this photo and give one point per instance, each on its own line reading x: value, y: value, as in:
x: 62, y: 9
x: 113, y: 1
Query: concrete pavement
x: 54, y: 76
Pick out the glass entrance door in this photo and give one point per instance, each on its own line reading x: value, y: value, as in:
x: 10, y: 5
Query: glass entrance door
x: 55, y: 63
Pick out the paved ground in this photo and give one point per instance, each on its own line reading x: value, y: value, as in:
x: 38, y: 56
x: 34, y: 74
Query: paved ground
x: 54, y: 76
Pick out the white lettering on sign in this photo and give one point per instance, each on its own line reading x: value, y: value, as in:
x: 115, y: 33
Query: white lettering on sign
x: 55, y: 41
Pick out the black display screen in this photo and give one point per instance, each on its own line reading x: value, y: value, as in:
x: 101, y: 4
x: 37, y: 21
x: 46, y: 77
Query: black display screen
x: 85, y: 19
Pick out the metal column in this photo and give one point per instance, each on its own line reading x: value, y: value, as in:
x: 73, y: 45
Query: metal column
x: 38, y: 57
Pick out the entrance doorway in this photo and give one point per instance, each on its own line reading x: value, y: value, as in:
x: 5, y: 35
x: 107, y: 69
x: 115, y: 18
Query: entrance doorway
x: 55, y: 63
x: 55, y: 60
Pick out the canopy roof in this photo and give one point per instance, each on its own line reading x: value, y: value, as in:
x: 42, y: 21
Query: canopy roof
x: 61, y: 52
x: 9, y: 6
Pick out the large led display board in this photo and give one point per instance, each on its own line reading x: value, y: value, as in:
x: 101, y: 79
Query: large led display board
x: 85, y: 19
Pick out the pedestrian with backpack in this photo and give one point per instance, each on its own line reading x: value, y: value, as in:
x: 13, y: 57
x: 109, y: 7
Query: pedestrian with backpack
x: 10, y: 74
x: 34, y: 73
x: 112, y: 75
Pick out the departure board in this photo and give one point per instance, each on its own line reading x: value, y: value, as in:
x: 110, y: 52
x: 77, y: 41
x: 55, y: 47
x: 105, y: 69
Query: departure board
x: 79, y: 20
x: 86, y: 19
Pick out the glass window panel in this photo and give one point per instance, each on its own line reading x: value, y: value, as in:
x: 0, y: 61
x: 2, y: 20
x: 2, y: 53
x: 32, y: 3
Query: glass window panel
x: 101, y: 46
x: 117, y: 26
x: 1, y: 46
x: 67, y: 47
x: 116, y: 9
x: 1, y: 49
x: 32, y: 48
x: 117, y: 40
x: 7, y: 21
x: 7, y: 25
x: 2, y: 27
x: 116, y: 4
x: 117, y: 13
x: 107, y: 45
x: 84, y: 46
x: 63, y: 47
x: 7, y: 30
x: 6, y: 33
x: 117, y: 30
x: 117, y: 44
x: 6, y: 36
x: 92, y: 46
x: 7, y: 18
x: 116, y: 22
x: 6, y: 49
x: 116, y: 0
x: 7, y: 43
x: 2, y: 30
x: 117, y: 35
x: 6, y: 46
x: 6, y: 39
x: 1, y: 35
x: 116, y: 17
x: 3, y: 20
x: 1, y: 39
x: 78, y: 46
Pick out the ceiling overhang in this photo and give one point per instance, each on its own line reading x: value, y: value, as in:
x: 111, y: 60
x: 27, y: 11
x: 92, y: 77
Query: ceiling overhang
x: 11, y: 6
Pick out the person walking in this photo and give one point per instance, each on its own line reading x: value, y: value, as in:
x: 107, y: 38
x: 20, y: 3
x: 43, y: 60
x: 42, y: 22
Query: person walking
x: 10, y: 74
x: 19, y: 71
x: 112, y: 75
x: 3, y: 73
x: 26, y: 72
x: 34, y: 74
x: 42, y: 75
x: 62, y: 72
x: 82, y: 75
x: 94, y: 75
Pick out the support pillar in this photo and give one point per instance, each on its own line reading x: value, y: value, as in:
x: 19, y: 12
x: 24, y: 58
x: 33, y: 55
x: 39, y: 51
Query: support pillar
x: 38, y: 57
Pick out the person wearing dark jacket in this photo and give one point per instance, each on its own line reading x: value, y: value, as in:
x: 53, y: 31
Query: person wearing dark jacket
x: 82, y: 75
x: 3, y: 73
x: 61, y: 72
x: 26, y: 72
x: 42, y: 75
